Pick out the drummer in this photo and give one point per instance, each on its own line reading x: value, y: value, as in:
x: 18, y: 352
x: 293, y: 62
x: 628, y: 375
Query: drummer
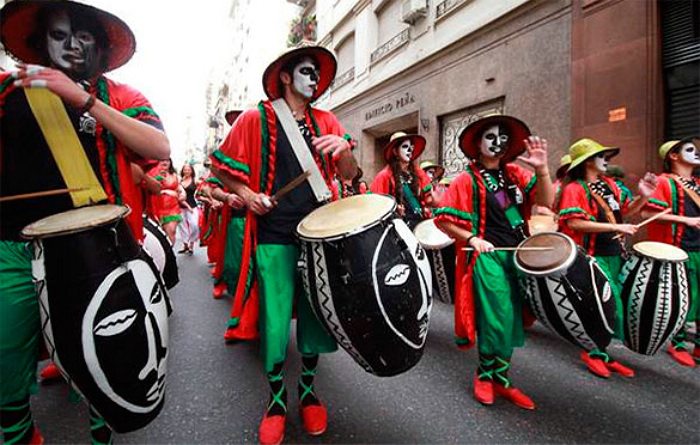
x: 591, y: 212
x: 403, y: 179
x: 255, y: 164
x: 493, y: 217
x: 679, y: 190
x: 69, y: 46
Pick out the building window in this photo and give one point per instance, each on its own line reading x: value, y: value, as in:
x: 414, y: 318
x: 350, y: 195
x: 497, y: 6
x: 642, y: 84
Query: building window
x: 451, y: 125
x: 345, y: 53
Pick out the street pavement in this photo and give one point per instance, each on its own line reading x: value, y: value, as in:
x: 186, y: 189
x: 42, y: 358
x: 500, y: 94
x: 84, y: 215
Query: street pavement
x: 216, y: 393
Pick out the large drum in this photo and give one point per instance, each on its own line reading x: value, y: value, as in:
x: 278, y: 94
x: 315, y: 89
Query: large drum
x: 654, y: 295
x: 368, y: 281
x: 103, y: 312
x: 441, y: 254
x: 566, y: 290
x: 157, y: 245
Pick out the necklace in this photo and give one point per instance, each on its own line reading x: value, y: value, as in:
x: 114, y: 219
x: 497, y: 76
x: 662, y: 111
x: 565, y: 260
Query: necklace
x: 493, y: 184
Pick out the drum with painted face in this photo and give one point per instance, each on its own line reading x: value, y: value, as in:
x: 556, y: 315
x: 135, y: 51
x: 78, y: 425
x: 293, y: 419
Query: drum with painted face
x: 441, y: 254
x: 157, y: 245
x: 654, y: 295
x: 104, y: 312
x: 566, y: 290
x: 368, y: 281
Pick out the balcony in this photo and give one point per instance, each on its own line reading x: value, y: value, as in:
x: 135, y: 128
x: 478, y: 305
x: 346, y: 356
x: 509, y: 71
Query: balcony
x: 344, y: 78
x: 389, y: 47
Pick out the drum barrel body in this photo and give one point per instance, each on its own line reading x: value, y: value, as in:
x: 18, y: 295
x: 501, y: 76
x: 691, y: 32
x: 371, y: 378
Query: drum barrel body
x: 372, y: 292
x: 442, y: 265
x: 157, y: 245
x: 104, y: 317
x: 655, y: 298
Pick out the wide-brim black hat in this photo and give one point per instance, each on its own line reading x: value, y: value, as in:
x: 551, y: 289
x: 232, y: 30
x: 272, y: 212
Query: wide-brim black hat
x: 518, y: 132
x: 327, y: 67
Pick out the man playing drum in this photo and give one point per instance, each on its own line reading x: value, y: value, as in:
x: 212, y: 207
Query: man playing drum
x: 264, y: 151
x: 590, y: 212
x: 486, y: 207
x: 75, y: 45
x: 679, y: 190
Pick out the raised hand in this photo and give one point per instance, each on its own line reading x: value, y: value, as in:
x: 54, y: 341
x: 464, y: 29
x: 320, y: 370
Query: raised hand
x: 536, y: 153
x: 647, y: 185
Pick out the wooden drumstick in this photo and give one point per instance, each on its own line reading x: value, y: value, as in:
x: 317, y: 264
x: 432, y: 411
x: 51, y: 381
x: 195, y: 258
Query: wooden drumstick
x: 523, y: 249
x: 291, y: 185
x: 645, y: 222
x: 41, y: 194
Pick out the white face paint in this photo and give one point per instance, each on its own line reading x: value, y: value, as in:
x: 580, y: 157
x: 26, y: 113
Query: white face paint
x: 601, y: 162
x: 493, y: 142
x: 406, y: 150
x: 305, y: 78
x: 71, y: 50
x: 690, y: 153
x: 431, y: 173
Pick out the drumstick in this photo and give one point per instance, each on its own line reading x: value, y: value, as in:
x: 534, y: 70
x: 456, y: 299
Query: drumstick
x: 291, y: 185
x: 523, y: 249
x: 645, y: 222
x: 41, y: 194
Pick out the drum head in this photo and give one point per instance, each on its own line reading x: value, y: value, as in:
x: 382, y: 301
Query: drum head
x: 430, y: 237
x: 560, y: 256
x: 345, y: 216
x: 73, y: 221
x: 660, y: 251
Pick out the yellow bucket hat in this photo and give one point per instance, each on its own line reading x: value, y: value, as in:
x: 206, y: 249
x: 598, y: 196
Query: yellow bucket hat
x: 584, y: 149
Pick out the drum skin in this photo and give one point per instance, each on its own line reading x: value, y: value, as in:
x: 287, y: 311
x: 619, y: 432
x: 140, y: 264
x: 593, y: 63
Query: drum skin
x: 104, y: 313
x: 655, y: 300
x: 372, y: 292
x: 157, y: 245
x: 576, y: 303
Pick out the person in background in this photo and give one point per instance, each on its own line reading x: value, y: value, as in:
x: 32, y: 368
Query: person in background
x: 189, y: 227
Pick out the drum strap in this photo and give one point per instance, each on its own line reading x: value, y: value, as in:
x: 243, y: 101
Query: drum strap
x: 301, y: 150
x: 609, y: 215
x: 65, y: 146
x: 689, y: 191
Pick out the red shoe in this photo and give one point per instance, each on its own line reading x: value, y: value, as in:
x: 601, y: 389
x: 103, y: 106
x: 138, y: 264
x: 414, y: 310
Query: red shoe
x: 681, y: 356
x: 314, y: 418
x: 696, y: 353
x: 619, y: 368
x: 219, y: 291
x: 515, y: 396
x: 595, y: 365
x: 50, y: 372
x: 37, y: 438
x: 483, y: 391
x: 271, y: 431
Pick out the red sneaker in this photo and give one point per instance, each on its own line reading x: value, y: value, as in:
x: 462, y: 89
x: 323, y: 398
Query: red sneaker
x: 681, y: 356
x: 271, y: 430
x: 483, y: 391
x: 595, y: 365
x: 50, y: 372
x: 37, y: 438
x: 219, y: 291
x: 619, y: 368
x: 314, y: 418
x: 515, y: 396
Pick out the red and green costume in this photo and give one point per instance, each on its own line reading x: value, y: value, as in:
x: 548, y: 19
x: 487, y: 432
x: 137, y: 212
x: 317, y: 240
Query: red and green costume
x: 168, y: 205
x: 384, y: 183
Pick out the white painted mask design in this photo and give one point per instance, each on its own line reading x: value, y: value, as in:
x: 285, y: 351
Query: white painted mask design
x: 690, y: 153
x: 406, y: 150
x: 493, y: 142
x: 305, y: 78
x: 601, y: 162
x: 72, y: 50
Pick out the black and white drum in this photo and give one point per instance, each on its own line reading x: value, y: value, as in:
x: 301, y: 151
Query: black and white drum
x: 103, y: 312
x: 566, y: 290
x: 368, y: 281
x: 157, y: 245
x: 441, y: 253
x: 654, y: 295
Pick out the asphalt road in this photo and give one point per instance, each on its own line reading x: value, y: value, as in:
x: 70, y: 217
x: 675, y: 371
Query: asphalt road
x: 216, y: 393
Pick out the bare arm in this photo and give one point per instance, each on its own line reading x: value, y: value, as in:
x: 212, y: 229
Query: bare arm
x: 671, y: 218
x: 460, y: 233
x: 258, y: 203
x: 582, y: 225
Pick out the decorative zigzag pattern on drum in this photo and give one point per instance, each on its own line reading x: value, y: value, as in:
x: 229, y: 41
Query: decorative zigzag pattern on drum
x: 636, y: 299
x: 328, y: 310
x: 570, y: 317
x: 533, y: 295
x: 683, y: 297
x: 663, y: 306
x: 441, y: 278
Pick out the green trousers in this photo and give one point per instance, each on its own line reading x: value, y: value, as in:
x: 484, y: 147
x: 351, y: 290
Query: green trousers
x: 498, y: 301
x: 20, y: 327
x: 612, y: 266
x: 693, y: 271
x: 233, y: 252
x: 279, y: 283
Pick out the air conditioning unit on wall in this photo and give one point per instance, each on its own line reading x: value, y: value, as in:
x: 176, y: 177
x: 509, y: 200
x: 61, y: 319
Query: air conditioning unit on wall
x: 413, y: 10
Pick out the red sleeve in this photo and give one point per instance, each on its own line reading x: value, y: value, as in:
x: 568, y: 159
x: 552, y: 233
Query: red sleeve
x: 243, y: 141
x: 457, y: 205
x: 661, y: 198
x: 131, y: 102
x: 574, y: 203
x: 382, y: 182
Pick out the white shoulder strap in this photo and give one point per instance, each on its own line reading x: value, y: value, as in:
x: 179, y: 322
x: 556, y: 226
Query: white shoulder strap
x: 301, y: 150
